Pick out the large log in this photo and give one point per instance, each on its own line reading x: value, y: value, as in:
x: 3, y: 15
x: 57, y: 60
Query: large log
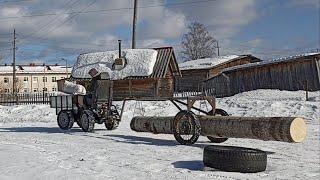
x: 285, y: 129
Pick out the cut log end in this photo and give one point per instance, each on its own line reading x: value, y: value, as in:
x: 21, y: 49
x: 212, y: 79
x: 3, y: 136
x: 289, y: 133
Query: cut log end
x: 298, y: 130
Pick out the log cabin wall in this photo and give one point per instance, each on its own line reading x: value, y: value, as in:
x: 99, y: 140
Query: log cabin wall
x: 192, y: 80
x: 292, y: 74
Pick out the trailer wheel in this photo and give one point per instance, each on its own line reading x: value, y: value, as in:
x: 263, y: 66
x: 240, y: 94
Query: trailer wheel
x: 218, y: 112
x: 235, y: 159
x: 87, y: 121
x: 65, y: 119
x: 187, y: 127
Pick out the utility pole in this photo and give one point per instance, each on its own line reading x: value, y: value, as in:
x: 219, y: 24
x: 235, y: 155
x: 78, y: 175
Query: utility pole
x: 134, y: 24
x: 218, y: 47
x: 66, y: 66
x: 14, y: 63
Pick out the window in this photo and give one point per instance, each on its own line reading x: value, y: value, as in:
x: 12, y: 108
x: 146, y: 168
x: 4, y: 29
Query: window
x: 6, y: 90
x: 25, y: 79
x: 45, y: 89
x: 54, y: 79
x: 35, y: 89
x: 6, y: 80
x: 26, y: 90
x: 44, y: 79
x: 54, y: 89
x: 35, y: 79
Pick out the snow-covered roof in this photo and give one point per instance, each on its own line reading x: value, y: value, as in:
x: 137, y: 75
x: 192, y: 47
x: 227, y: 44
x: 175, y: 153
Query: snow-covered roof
x: 272, y: 61
x: 33, y: 69
x: 140, y: 62
x: 206, y: 63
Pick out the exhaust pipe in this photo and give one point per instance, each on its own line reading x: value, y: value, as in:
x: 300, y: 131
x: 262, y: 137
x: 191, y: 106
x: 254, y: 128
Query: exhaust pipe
x: 119, y: 41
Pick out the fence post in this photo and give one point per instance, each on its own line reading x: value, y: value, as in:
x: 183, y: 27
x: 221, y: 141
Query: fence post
x: 43, y: 96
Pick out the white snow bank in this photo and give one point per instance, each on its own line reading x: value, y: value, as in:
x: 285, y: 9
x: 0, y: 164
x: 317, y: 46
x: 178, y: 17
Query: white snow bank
x: 206, y: 62
x: 140, y: 62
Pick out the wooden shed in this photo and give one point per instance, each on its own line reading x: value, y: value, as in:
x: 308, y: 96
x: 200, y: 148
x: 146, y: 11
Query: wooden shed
x: 292, y: 73
x: 195, y: 72
x: 158, y: 84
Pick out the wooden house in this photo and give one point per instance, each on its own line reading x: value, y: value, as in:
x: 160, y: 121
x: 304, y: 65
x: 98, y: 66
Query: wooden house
x: 195, y: 72
x: 300, y: 72
x: 157, y: 83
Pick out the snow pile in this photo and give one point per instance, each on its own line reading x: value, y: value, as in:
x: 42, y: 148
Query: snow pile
x: 140, y: 62
x: 206, y: 62
x: 27, y: 113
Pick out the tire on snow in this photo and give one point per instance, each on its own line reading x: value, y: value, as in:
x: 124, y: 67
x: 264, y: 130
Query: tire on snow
x: 87, y: 120
x: 65, y: 120
x: 235, y: 159
x: 218, y: 112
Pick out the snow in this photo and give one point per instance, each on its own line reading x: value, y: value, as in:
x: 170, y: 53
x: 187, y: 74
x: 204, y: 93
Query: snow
x: 33, y: 147
x: 206, y: 62
x: 140, y: 62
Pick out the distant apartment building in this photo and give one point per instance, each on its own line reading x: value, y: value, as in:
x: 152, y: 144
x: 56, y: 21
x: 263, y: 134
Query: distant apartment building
x: 32, y: 77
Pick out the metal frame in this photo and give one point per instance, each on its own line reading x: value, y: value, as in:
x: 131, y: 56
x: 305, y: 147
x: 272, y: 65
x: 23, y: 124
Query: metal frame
x: 174, y: 100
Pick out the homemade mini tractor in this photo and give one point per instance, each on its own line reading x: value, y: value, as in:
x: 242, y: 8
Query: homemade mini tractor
x: 98, y: 107
x: 158, y: 85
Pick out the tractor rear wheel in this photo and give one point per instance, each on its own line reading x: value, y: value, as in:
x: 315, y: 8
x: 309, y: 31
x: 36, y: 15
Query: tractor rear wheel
x: 87, y: 121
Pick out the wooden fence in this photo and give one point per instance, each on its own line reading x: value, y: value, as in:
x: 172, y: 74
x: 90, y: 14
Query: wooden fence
x: 25, y: 98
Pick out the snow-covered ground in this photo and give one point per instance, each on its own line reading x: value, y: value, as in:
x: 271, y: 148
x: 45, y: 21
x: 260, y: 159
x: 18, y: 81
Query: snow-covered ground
x: 33, y: 147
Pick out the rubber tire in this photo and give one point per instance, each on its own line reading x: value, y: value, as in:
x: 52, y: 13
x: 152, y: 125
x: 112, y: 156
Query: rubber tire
x: 112, y: 126
x: 68, y: 125
x: 235, y: 159
x: 87, y: 118
x: 197, y: 128
x: 214, y: 139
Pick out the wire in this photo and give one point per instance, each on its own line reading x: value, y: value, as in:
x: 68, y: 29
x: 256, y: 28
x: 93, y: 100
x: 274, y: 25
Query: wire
x: 14, y: 1
x: 71, y: 17
x: 107, y: 10
x: 52, y: 20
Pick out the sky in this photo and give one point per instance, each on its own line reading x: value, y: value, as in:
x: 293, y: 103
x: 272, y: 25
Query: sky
x: 49, y: 30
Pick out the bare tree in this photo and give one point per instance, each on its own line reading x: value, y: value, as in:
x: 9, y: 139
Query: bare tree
x: 198, y: 43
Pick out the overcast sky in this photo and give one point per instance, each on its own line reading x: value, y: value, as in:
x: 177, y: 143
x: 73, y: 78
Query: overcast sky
x: 48, y: 30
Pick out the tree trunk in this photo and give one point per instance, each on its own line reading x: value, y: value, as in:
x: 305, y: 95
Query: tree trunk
x: 285, y: 129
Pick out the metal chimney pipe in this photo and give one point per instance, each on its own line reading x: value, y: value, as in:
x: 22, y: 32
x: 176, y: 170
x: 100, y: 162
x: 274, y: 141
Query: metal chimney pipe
x: 119, y: 48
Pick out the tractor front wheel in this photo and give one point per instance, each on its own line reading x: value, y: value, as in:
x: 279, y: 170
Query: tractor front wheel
x: 65, y: 120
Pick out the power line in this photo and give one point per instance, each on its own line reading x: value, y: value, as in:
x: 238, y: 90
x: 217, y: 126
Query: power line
x: 52, y: 20
x: 70, y: 18
x: 14, y: 1
x: 101, y: 11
